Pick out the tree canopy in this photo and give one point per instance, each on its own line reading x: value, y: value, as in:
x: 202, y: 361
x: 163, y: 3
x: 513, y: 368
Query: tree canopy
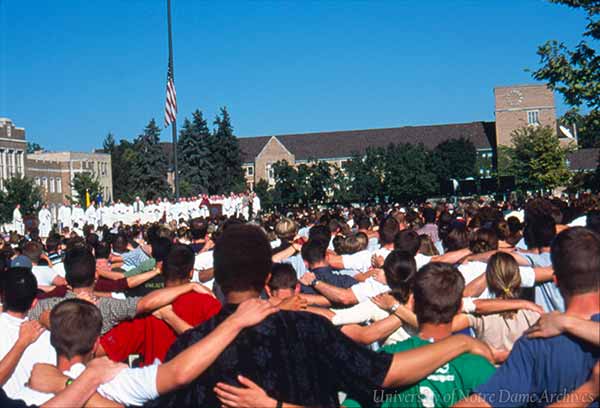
x: 19, y: 190
x: 82, y: 183
x: 195, y: 157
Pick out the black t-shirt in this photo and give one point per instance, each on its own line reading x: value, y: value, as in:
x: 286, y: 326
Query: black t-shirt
x: 6, y: 402
x: 296, y: 357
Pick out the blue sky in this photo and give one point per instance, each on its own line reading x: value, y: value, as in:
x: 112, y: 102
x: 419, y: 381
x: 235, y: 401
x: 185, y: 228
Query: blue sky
x: 72, y: 70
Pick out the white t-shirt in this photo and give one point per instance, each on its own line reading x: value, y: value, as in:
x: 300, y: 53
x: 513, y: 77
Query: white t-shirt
x: 203, y: 261
x: 44, y: 274
x: 359, y: 261
x: 41, y: 351
x: 132, y: 386
x: 369, y: 288
x: 422, y: 260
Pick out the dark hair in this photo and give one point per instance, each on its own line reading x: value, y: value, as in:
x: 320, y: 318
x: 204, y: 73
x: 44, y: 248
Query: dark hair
x: 319, y: 233
x: 457, y: 238
x: 160, y: 248
x: 484, y: 240
x: 198, y: 228
x: 102, y: 250
x: 437, y: 292
x: 313, y: 251
x: 178, y: 263
x: 364, y: 223
x: 19, y: 290
x: 33, y: 251
x: 388, y: 229
x: 242, y: 258
x: 593, y: 221
x: 52, y: 243
x: 429, y: 215
x: 283, y: 276
x: 400, y: 269
x: 408, y: 241
x: 75, y: 325
x: 92, y: 240
x: 575, y: 257
x: 540, y: 231
x: 119, y: 243
x: 80, y: 267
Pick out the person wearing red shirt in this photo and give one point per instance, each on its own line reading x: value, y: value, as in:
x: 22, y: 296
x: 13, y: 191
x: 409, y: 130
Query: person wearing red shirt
x: 151, y: 337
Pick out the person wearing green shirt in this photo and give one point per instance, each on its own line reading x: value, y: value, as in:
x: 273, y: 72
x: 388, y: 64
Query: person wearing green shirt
x: 437, y: 294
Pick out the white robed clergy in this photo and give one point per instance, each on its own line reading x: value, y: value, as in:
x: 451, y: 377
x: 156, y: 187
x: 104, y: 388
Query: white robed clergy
x: 18, y: 220
x: 91, y: 216
x: 45, y: 219
x: 64, y: 216
x: 78, y: 216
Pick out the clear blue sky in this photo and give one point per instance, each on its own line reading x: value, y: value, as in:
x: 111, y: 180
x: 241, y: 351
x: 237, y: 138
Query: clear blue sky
x: 72, y: 70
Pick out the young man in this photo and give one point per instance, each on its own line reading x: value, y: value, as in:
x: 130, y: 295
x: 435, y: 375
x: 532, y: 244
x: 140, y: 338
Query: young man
x: 80, y: 267
x: 313, y: 254
x: 437, y: 292
x: 44, y: 274
x: 151, y: 337
x: 542, y: 371
x: 283, y: 283
x: 279, y: 353
x: 21, y: 353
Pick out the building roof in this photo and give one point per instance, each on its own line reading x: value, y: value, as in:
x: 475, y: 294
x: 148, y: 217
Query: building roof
x: 584, y: 159
x: 341, y: 144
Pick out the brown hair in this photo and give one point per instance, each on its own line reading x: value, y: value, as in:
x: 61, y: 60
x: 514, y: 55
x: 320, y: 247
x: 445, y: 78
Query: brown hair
x: 503, y: 277
x: 75, y: 326
x: 437, y: 291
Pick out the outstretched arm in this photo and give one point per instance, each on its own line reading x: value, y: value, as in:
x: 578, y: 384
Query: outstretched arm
x: 165, y: 296
x: 555, y: 323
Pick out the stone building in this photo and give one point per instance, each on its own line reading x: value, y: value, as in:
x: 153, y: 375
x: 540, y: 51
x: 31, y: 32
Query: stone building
x: 12, y: 150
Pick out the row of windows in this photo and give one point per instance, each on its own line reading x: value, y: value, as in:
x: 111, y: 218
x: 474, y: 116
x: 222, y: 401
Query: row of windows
x: 51, y: 185
x: 533, y: 117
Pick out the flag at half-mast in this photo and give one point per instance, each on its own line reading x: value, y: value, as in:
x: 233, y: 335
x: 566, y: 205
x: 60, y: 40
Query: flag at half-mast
x: 171, y: 102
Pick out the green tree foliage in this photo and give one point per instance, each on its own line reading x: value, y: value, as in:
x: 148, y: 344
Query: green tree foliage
x: 575, y: 73
x: 194, y: 155
x: 408, y: 173
x: 366, y: 174
x: 287, y: 190
x: 266, y: 197
x: 454, y: 158
x: 227, y: 174
x: 81, y: 183
x: 33, y: 147
x: 108, y: 145
x: 149, y: 167
x: 536, y: 159
x: 588, y: 127
x: 122, y: 156
x: 19, y: 190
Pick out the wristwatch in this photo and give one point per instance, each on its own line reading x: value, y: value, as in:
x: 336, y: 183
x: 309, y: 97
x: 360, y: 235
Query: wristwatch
x: 394, y: 307
x: 314, y: 282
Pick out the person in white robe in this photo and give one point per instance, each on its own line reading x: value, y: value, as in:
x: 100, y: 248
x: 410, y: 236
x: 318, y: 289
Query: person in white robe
x: 45, y: 220
x: 78, y: 216
x: 255, y: 204
x: 64, y: 216
x: 91, y: 217
x: 18, y: 224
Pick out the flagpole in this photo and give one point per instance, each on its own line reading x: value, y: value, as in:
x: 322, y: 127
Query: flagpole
x: 174, y: 123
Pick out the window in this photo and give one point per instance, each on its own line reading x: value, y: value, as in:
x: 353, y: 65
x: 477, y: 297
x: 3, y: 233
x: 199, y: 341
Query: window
x: 58, y: 185
x: 45, y: 183
x: 270, y: 172
x: 250, y: 171
x: 37, y: 181
x: 51, y: 184
x: 533, y: 117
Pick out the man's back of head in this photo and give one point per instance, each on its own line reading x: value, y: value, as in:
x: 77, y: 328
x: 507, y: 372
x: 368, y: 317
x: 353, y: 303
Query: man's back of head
x: 437, y: 292
x: 33, y: 251
x: 575, y: 257
x: 388, y: 229
x: 178, y: 264
x: 80, y: 267
x: 407, y: 241
x: 313, y: 252
x: 242, y: 259
x: 198, y: 229
x: 75, y: 327
x: 161, y: 248
x: 283, y: 282
x: 19, y: 290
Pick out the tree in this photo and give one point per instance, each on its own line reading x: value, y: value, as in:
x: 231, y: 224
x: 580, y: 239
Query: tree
x: 33, y: 147
x: 19, y: 190
x: 123, y: 158
x: 82, y: 183
x: 596, y: 179
x: 225, y: 150
x: 536, y: 159
x: 587, y: 127
x: 454, y: 158
x: 149, y: 166
x: 266, y: 197
x: 366, y: 174
x: 195, y: 158
x: 287, y: 190
x: 108, y: 145
x: 408, y: 173
x: 576, y: 73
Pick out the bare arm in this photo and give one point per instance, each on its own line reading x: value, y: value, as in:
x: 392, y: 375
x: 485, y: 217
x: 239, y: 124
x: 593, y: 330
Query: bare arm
x: 555, y: 323
x: 410, y: 366
x: 335, y: 294
x: 29, y: 332
x: 491, y: 306
x: 111, y: 275
x: 452, y: 257
x: 161, y: 297
x: 475, y: 287
x: 176, y: 323
x: 206, y: 274
x: 137, y: 280
x: 316, y: 300
x: 377, y: 331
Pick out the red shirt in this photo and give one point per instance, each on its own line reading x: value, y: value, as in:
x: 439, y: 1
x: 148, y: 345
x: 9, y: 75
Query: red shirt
x: 152, y: 337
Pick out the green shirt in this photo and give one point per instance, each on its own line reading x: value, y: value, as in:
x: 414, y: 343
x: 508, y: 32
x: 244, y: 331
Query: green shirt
x: 145, y: 266
x: 443, y: 388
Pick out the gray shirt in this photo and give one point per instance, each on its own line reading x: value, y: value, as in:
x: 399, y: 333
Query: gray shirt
x: 113, y: 310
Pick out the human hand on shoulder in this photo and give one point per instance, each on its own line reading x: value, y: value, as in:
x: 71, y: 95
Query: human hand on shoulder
x: 252, y: 312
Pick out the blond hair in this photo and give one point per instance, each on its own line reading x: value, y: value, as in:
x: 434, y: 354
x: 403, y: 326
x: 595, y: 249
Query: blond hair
x: 503, y: 277
x: 286, y: 229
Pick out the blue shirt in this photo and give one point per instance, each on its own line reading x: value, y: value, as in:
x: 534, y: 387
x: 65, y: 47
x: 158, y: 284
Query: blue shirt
x: 326, y: 275
x: 547, y: 294
x: 539, y: 372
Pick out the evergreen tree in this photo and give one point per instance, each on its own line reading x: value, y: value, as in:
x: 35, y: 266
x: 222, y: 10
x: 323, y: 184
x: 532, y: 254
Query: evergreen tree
x: 149, y: 167
x: 82, y: 183
x: 122, y: 159
x: 109, y: 143
x: 408, y: 173
x: 194, y: 153
x: 227, y: 173
x: 19, y: 190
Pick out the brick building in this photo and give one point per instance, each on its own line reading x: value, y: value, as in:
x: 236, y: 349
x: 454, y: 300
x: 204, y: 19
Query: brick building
x: 12, y: 150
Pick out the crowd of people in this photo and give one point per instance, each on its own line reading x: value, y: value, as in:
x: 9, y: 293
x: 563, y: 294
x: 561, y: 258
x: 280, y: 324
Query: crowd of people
x: 478, y: 303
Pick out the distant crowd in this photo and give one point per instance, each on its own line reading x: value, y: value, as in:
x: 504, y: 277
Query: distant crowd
x: 160, y: 304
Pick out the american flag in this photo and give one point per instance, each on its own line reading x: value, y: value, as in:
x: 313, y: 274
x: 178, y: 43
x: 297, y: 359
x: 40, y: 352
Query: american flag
x: 171, y: 102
